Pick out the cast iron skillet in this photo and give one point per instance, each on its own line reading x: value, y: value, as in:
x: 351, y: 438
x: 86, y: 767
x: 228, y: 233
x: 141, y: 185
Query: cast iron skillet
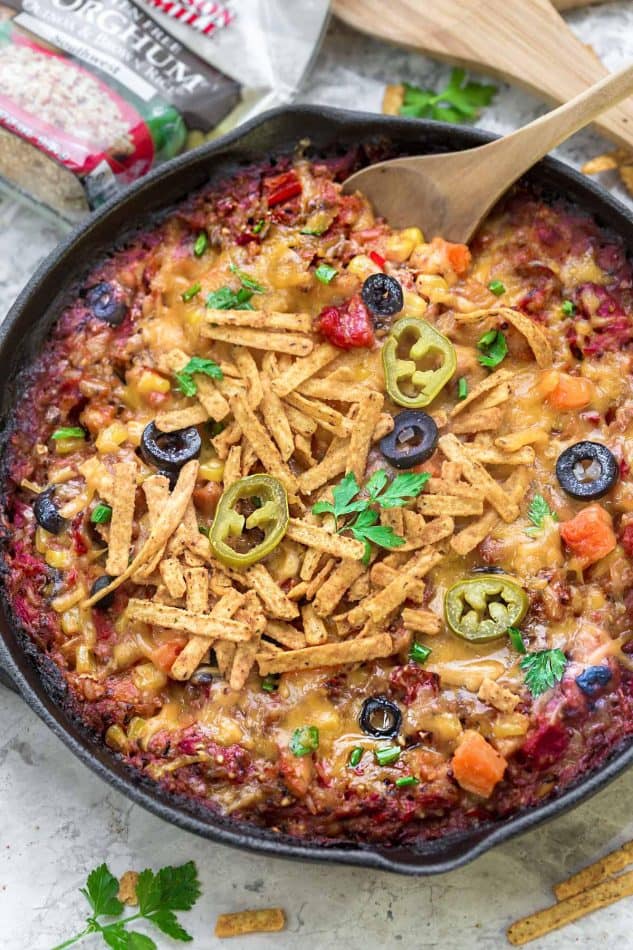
x: 21, y: 335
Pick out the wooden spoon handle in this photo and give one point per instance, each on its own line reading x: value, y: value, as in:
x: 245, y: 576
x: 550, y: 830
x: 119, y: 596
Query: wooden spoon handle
x: 523, y: 41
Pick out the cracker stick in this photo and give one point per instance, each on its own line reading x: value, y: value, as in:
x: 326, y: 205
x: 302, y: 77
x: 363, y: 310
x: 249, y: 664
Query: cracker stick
x: 260, y: 320
x: 262, y: 443
x: 476, y: 474
x: 276, y: 419
x: 573, y: 908
x: 338, y: 583
x: 250, y: 614
x: 596, y: 873
x: 320, y: 539
x: 120, y: 539
x: 481, y: 420
x: 330, y: 419
x: 369, y: 410
x: 181, y: 418
x: 485, y: 386
x: 313, y: 627
x: 303, y: 369
x: 328, y: 654
x: 293, y: 343
x: 176, y: 618
x: 268, y: 920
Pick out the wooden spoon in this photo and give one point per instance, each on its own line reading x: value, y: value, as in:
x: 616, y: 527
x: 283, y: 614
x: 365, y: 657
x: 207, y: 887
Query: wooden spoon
x: 524, y: 41
x: 448, y: 194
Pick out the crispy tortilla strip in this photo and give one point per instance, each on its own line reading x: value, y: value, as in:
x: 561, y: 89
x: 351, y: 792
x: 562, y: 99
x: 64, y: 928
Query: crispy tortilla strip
x: 369, y: 410
x: 476, y: 474
x: 285, y: 634
x: 393, y: 518
x: 595, y: 873
x: 469, y: 537
x: 228, y: 437
x: 210, y: 397
x: 488, y: 455
x: 303, y: 451
x: 310, y: 564
x: 232, y: 466
x: 197, y: 585
x: 303, y: 369
x: 192, y: 654
x: 275, y: 602
x: 249, y: 372
x: 535, y: 336
x: 188, y: 537
x: 320, y: 539
x: 326, y: 470
x: 156, y: 490
x: 263, y: 445
x: 451, y: 472
x: 275, y: 417
x: 313, y: 627
x: 298, y: 591
x: 498, y: 696
x: 496, y: 397
x: 573, y: 908
x: 173, y: 577
x: 181, y: 418
x: 120, y: 539
x: 249, y: 458
x: 211, y: 400
x: 485, y: 386
x: 251, y: 615
x: 421, y: 621
x: 360, y: 588
x: 176, y: 618
x: 381, y: 575
x: 433, y: 505
x: 419, y: 533
x: 326, y: 388
x: 441, y: 486
x: 338, y: 583
x: 260, y: 320
x: 482, y: 420
x: 293, y: 343
x: 386, y: 601
x: 330, y: 419
x: 328, y: 654
x: 319, y: 579
x: 268, y: 920
x: 514, y: 441
x: 299, y: 422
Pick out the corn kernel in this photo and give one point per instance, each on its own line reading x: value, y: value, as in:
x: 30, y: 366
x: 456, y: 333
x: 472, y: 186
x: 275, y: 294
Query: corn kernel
x: 151, y: 382
x: 400, y: 245
x: 433, y: 287
x: 42, y: 538
x: 511, y: 724
x: 60, y: 559
x: 70, y: 622
x: 111, y: 437
x: 362, y: 267
x: 147, y: 678
x: 414, y: 306
x: 136, y: 728
x: 84, y: 660
x: 116, y: 738
x: 135, y: 429
x: 212, y: 471
x: 126, y: 653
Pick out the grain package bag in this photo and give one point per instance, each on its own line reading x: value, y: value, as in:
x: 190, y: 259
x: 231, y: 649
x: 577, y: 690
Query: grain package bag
x: 95, y: 93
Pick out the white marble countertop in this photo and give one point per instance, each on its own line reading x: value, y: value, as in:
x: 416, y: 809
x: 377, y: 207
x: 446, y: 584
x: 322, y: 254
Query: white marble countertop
x: 58, y: 821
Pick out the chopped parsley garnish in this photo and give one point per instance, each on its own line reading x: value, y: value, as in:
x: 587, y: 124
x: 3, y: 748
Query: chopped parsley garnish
x: 388, y: 754
x: 258, y: 227
x: 516, y: 639
x: 406, y: 781
x: 379, y: 491
x: 201, y: 244
x: 568, y: 307
x: 204, y: 529
x: 459, y: 101
x: 538, y: 511
x: 462, y: 387
x: 543, y: 670
x: 69, y: 432
x: 355, y: 756
x: 270, y: 683
x: 197, y: 364
x: 312, y: 232
x: 325, y: 273
x: 159, y: 896
x: 419, y: 652
x: 191, y: 292
x: 497, y: 287
x: 248, y: 283
x: 227, y: 299
x: 494, y: 348
x: 304, y: 741
x: 101, y: 513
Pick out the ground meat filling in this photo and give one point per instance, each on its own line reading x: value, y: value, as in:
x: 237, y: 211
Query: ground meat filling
x: 239, y: 323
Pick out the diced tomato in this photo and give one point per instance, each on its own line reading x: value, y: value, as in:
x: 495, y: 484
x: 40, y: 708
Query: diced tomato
x: 164, y: 656
x: 568, y: 392
x: 545, y: 746
x: 476, y: 765
x: 296, y: 772
x: 348, y: 326
x: 589, y: 534
x: 377, y: 259
x: 281, y: 188
x: 458, y: 256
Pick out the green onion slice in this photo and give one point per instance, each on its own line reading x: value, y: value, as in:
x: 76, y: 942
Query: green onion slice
x: 419, y: 652
x: 69, y: 432
x: 101, y: 514
x: 388, y: 754
x: 304, y: 741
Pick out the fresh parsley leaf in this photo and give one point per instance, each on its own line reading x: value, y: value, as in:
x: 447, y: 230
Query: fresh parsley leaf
x: 101, y: 892
x: 197, y: 364
x: 167, y: 921
x: 459, y: 101
x: 494, y: 348
x: 537, y: 512
x: 116, y: 936
x: 402, y: 489
x: 342, y: 495
x: 543, y: 670
x: 325, y: 273
x: 139, y: 941
x: 247, y: 282
x: 366, y: 528
x: 227, y: 299
x: 376, y: 483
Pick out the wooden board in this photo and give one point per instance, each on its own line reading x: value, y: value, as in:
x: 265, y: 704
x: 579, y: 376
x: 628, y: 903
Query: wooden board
x: 523, y: 41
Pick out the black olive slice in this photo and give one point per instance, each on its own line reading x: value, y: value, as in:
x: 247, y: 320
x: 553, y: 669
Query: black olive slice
x: 380, y: 717
x: 592, y: 680
x: 382, y: 295
x: 170, y: 450
x: 204, y: 675
x: 587, y: 470
x: 97, y: 586
x: 106, y: 304
x: 46, y: 513
x: 413, y: 439
x: 172, y: 477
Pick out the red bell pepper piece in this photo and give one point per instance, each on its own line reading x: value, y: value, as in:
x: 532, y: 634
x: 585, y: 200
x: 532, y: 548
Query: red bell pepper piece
x: 377, y: 259
x: 282, y: 188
